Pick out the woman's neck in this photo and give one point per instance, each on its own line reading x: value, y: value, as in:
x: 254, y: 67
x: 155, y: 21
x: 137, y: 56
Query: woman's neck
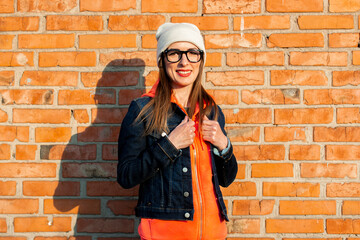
x: 182, y: 95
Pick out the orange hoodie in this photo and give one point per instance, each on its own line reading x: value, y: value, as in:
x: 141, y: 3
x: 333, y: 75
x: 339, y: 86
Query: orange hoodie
x: 208, y: 223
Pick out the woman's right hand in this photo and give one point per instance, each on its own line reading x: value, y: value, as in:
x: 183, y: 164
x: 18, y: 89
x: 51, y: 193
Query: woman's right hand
x: 183, y: 135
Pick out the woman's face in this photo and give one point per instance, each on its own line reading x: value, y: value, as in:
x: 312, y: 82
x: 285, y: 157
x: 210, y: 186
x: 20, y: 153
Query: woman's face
x: 182, y: 73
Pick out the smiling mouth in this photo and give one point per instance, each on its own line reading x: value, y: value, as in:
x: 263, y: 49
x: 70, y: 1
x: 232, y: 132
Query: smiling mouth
x: 183, y: 73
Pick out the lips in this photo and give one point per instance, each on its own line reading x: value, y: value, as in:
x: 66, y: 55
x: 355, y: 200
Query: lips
x: 184, y: 73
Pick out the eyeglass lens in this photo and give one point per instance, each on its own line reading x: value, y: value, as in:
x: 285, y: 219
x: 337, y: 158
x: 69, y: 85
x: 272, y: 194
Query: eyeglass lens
x: 176, y: 55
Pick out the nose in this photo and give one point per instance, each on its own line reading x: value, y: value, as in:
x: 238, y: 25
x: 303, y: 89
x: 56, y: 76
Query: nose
x: 184, y: 61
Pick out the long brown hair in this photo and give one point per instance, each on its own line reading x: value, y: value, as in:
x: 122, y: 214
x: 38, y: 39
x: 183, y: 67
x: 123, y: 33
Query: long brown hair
x: 157, y: 110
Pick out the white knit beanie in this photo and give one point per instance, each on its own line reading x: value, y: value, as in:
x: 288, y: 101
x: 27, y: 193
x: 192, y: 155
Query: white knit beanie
x: 169, y: 33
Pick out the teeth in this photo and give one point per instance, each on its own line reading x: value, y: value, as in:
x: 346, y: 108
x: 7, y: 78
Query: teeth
x: 184, y: 72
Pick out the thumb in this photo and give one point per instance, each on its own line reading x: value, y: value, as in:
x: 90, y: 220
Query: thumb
x: 185, y: 120
x: 205, y: 117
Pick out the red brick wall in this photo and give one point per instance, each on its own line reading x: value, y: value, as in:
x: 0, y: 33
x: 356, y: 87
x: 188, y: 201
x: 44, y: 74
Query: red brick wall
x: 284, y: 71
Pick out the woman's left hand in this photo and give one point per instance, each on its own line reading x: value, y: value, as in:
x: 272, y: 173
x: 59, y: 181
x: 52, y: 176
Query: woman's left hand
x: 211, y: 132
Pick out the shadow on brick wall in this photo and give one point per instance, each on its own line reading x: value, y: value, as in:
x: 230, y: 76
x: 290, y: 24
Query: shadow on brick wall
x: 87, y: 189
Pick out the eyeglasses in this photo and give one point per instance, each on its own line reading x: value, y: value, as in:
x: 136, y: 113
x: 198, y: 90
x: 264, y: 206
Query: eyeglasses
x: 175, y: 55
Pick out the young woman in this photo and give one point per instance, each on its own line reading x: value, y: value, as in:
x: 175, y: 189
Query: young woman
x: 173, y: 143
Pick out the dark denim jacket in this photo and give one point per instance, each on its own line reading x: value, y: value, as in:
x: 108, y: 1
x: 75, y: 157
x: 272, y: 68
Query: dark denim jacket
x: 161, y: 169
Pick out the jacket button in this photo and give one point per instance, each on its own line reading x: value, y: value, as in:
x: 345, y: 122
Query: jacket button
x: 186, y: 194
x: 187, y: 215
x: 185, y: 169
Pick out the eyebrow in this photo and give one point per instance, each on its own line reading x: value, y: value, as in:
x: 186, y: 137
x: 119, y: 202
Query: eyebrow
x: 180, y: 50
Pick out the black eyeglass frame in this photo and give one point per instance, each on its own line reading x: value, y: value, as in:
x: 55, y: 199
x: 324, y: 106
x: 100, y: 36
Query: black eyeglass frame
x: 182, y: 53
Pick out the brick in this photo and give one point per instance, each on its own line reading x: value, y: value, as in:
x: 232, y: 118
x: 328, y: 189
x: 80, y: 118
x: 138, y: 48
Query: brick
x: 55, y: 238
x: 19, y: 206
x: 67, y: 59
x: 49, y: 78
x: 108, y: 115
x: 41, y: 116
x: 7, y: 6
x: 5, y: 152
x: 68, y: 152
x: 298, y: 77
x: 231, y: 7
x: 307, y: 207
x: 205, y: 23
x: 330, y: 59
x: 86, y: 97
x: 269, y: 170
x: 46, y: 6
x: 27, y: 170
x: 327, y: 170
x: 332, y: 96
x: 6, y: 41
x: 351, y: 208
x: 129, y: 59
x: 294, y: 6
x: 107, y: 5
x: 122, y: 207
x: 304, y: 116
x: 326, y: 22
x: 344, y: 5
x: 72, y: 206
x: 151, y: 78
x: 107, y: 41
x: 241, y: 171
x: 110, y: 79
x: 3, y: 116
x: 221, y: 41
x: 243, y: 134
x: 225, y: 96
x: 127, y: 95
x: 19, y: 23
x: 240, y: 189
x: 98, y: 134
x: 10, y: 133
x: 344, y: 78
x: 291, y: 189
x: 261, y: 22
x: 148, y: 41
x: 350, y: 189
x: 74, y: 23
x: 49, y: 134
x: 259, y: 152
x: 42, y: 224
x: 3, y: 225
x: 294, y: 225
x: 107, y: 188
x: 166, y: 6
x: 348, y: 115
x: 343, y: 226
x: 7, y: 78
x: 235, y: 78
x: 27, y: 97
x: 341, y: 40
x: 89, y: 170
x: 253, y: 207
x: 255, y: 59
x: 294, y: 40
x: 16, y: 59
x: 109, y: 152
x: 213, y: 59
x: 271, y: 96
x: 248, y: 115
x: 105, y: 225
x: 244, y: 226
x: 81, y: 116
x: 50, y: 188
x: 41, y: 41
x: 337, y: 134
x: 135, y: 23
x: 25, y: 152
x: 7, y: 188
x: 356, y: 57
x: 284, y: 134
x: 305, y: 152
x: 342, y: 152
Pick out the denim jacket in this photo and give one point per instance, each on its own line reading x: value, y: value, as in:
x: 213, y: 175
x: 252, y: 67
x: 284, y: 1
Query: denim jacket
x: 153, y: 162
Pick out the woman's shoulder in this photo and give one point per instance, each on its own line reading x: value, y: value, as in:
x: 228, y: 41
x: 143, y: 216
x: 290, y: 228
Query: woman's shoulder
x: 141, y: 101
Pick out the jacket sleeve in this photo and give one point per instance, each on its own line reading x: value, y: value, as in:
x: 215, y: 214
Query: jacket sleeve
x: 137, y: 159
x: 226, y: 165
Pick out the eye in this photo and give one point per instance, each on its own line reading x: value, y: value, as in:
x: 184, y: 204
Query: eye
x: 193, y: 52
x: 172, y: 53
